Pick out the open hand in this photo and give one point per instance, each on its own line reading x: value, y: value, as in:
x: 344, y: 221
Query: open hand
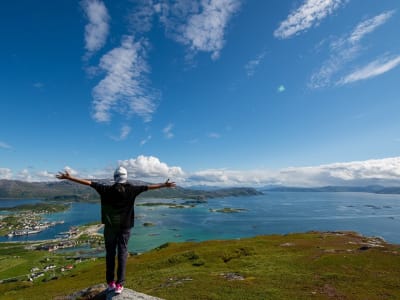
x: 64, y: 175
x: 169, y: 184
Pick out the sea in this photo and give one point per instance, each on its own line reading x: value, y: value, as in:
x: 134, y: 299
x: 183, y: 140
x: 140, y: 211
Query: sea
x: 369, y: 214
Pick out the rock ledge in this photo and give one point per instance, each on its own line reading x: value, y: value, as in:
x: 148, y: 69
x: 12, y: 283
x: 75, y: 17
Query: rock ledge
x: 98, y: 292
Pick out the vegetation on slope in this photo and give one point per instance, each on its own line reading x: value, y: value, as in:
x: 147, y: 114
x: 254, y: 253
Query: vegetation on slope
x: 65, y: 190
x: 295, y: 266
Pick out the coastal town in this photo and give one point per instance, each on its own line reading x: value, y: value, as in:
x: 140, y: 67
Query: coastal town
x: 55, y: 257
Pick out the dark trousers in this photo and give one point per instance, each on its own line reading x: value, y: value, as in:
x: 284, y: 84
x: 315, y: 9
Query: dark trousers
x: 116, y: 240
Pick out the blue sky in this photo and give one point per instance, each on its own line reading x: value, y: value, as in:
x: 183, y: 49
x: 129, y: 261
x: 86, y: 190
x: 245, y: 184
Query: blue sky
x: 218, y: 92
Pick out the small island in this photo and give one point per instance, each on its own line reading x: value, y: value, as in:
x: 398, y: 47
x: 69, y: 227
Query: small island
x: 228, y: 210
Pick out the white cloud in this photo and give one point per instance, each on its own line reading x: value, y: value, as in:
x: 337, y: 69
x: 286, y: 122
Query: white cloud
x: 124, y: 89
x: 385, y: 172
x: 141, y: 16
x: 198, y: 24
x: 5, y: 146
x: 369, y: 26
x: 71, y: 171
x: 24, y: 175
x: 307, y: 15
x: 125, y: 130
x: 150, y: 167
x: 252, y: 65
x: 45, y: 176
x: 5, y: 173
x: 168, y: 131
x: 145, y: 141
x: 380, y: 171
x: 375, y: 68
x: 345, y: 49
x: 97, y: 29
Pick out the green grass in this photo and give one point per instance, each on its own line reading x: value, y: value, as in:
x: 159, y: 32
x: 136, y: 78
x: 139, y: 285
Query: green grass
x: 295, y: 266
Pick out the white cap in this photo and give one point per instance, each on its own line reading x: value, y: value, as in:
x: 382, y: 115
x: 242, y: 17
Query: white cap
x: 120, y: 175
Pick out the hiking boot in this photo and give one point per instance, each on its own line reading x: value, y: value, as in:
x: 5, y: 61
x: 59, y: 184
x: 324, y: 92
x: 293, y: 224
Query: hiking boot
x: 118, y: 288
x: 111, y: 286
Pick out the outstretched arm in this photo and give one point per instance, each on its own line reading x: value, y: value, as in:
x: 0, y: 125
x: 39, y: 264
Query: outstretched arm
x: 68, y: 176
x: 166, y: 184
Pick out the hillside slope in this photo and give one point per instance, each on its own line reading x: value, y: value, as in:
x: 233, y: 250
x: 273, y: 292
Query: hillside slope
x: 65, y: 190
x: 295, y: 266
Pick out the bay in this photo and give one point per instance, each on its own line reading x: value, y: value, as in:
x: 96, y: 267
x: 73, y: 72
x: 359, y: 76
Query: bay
x: 271, y: 213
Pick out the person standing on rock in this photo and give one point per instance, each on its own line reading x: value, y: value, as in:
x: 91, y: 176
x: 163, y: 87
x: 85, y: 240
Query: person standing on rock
x: 117, y: 215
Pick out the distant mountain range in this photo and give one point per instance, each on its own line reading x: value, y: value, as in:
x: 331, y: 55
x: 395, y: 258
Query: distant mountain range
x: 377, y: 189
x: 69, y: 191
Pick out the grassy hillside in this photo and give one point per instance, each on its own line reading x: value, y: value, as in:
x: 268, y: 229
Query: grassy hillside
x: 295, y: 266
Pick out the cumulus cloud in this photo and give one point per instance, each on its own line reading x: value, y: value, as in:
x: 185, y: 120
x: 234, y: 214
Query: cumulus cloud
x: 375, y: 68
x: 97, y: 29
x: 307, y: 15
x: 25, y: 175
x: 124, y: 88
x: 380, y: 171
x: 168, y: 131
x: 252, y: 65
x: 200, y: 25
x: 5, y: 173
x: 150, y: 167
x: 345, y: 49
x: 44, y: 176
x: 357, y: 173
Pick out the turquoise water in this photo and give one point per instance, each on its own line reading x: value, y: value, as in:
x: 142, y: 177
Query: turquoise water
x: 271, y: 213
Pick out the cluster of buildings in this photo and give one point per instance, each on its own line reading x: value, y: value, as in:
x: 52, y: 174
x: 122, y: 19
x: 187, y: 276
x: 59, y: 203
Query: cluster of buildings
x: 25, y: 224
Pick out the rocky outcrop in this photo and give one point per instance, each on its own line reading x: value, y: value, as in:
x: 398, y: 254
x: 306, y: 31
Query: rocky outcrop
x: 98, y: 292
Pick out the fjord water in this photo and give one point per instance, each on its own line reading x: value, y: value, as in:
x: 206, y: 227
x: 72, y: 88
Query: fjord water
x: 271, y: 213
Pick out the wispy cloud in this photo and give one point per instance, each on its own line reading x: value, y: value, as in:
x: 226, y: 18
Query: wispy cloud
x: 141, y: 16
x: 345, y: 49
x: 145, y: 141
x: 124, y: 133
x: 252, y: 65
x: 307, y: 15
x: 375, y: 68
x: 214, y: 135
x: 124, y: 89
x: 168, y: 131
x: 200, y: 25
x: 38, y: 85
x: 369, y: 26
x: 97, y: 29
x: 5, y: 146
